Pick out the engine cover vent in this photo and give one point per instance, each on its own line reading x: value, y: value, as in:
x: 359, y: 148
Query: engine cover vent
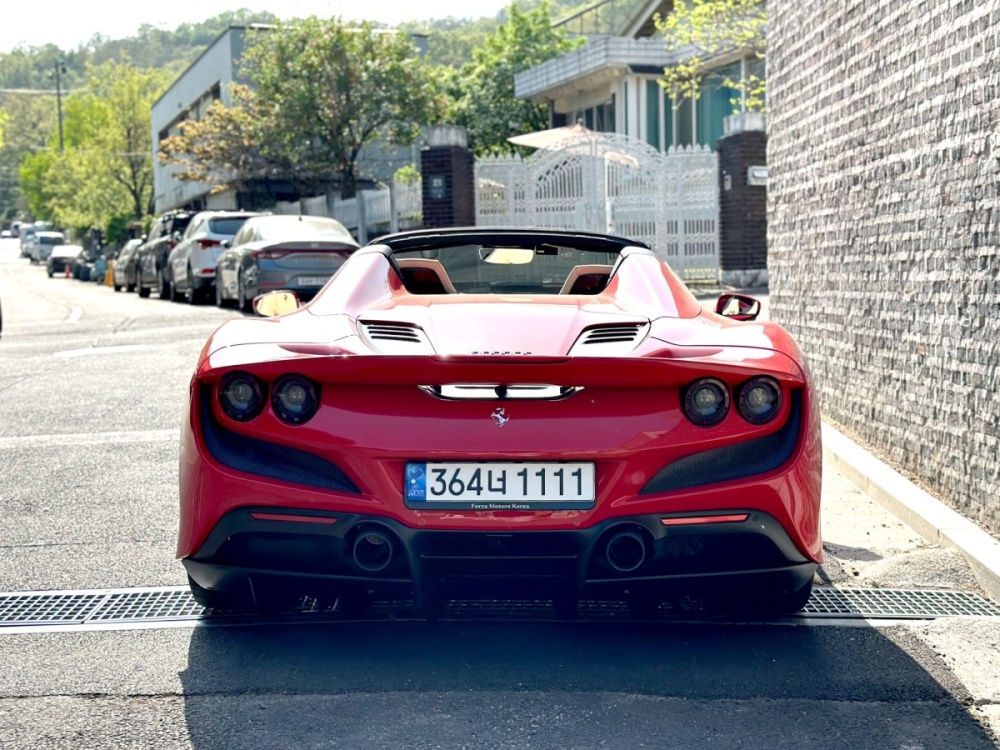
x: 609, y: 340
x: 395, y: 338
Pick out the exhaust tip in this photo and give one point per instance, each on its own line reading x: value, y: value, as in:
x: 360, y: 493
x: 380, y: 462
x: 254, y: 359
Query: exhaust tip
x: 625, y: 551
x: 372, y: 550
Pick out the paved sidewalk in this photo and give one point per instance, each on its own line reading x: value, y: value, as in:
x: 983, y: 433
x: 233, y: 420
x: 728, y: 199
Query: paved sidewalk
x: 881, y: 530
x: 936, y: 524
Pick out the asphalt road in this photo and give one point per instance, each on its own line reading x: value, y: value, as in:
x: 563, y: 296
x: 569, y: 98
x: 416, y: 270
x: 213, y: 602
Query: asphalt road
x: 92, y: 387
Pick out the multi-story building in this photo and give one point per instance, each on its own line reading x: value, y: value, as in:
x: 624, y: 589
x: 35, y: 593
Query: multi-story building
x: 610, y: 83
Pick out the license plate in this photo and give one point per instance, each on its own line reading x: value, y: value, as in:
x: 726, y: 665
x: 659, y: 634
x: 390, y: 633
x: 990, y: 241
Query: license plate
x: 500, y: 486
x: 312, y: 280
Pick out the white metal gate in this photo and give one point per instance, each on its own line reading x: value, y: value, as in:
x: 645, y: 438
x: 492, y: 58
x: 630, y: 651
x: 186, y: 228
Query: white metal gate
x: 608, y: 182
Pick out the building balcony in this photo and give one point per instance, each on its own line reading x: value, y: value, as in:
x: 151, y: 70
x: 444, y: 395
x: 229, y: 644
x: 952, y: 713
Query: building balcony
x: 602, y: 61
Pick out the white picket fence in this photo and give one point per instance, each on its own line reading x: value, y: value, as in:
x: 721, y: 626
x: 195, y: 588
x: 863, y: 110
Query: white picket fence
x: 607, y: 182
x: 369, y: 213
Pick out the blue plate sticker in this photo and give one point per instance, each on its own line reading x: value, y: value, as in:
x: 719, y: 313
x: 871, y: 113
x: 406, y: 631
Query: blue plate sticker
x: 416, y: 482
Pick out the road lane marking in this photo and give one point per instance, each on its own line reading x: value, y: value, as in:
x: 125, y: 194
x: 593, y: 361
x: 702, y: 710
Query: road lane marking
x: 68, y: 440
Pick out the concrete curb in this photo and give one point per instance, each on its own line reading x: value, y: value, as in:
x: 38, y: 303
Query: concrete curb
x: 918, y: 509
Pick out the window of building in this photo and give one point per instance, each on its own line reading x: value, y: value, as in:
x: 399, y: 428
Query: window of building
x: 654, y: 98
x: 600, y: 118
x: 717, y: 101
x: 701, y: 121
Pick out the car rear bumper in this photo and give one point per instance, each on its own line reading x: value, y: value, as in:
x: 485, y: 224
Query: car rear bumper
x: 321, y: 554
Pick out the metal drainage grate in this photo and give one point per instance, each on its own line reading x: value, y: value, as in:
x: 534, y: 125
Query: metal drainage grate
x: 171, y: 604
x: 124, y: 606
x: 897, y: 604
x: 52, y: 608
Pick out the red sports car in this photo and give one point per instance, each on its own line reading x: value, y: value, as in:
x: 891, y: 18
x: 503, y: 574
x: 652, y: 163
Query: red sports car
x: 491, y: 413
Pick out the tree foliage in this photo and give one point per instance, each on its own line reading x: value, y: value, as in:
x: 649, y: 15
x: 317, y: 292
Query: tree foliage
x: 105, y: 168
x: 713, y: 28
x: 322, y: 91
x: 231, y: 147
x: 484, y: 89
x: 30, y: 121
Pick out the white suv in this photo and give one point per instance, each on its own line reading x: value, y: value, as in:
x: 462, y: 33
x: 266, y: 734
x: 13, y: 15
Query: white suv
x: 191, y: 264
x: 42, y: 244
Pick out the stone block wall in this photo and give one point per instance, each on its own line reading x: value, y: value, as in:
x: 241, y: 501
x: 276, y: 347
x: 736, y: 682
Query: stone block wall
x: 448, y: 180
x: 742, y: 210
x: 884, y: 226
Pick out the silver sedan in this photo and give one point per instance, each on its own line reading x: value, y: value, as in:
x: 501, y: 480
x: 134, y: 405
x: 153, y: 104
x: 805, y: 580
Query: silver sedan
x: 297, y: 253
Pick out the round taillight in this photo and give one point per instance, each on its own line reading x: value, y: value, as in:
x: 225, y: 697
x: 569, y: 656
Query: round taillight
x: 706, y: 401
x: 760, y: 400
x: 241, y: 396
x: 295, y: 399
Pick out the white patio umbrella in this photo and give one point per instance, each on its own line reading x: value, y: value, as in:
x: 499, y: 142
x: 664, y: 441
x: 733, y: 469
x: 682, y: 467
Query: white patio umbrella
x: 550, y: 138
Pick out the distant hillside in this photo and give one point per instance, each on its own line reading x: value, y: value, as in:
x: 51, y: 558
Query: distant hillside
x: 451, y: 42
x: 32, y: 67
x: 27, y: 74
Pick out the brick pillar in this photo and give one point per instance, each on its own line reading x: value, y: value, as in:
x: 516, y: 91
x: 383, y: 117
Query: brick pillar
x: 447, y: 173
x: 743, y: 201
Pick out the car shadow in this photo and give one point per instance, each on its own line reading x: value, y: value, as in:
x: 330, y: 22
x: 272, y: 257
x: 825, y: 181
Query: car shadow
x: 447, y: 684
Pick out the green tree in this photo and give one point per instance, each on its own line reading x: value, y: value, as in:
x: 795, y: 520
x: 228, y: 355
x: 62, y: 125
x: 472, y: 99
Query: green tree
x: 322, y: 91
x: 231, y: 146
x: 331, y: 88
x: 486, y: 105
x: 712, y: 29
x: 35, y: 185
x: 104, y: 171
x: 30, y: 122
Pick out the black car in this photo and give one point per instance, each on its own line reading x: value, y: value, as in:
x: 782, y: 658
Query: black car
x: 151, y: 258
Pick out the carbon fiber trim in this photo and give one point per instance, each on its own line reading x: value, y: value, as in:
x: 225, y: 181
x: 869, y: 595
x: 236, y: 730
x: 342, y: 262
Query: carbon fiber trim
x: 737, y: 461
x: 264, y: 459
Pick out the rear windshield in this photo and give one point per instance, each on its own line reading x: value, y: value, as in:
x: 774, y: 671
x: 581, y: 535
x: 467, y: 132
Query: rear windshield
x: 541, y: 269
x: 60, y: 240
x: 304, y: 228
x: 229, y: 225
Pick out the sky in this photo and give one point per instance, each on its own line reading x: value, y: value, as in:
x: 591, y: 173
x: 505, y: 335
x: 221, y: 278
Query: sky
x: 68, y: 23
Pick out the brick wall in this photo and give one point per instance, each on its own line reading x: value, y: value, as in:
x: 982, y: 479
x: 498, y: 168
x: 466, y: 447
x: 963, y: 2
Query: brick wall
x: 883, y: 211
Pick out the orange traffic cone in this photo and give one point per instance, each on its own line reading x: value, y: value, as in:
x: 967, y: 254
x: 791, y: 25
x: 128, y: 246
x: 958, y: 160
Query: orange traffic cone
x: 66, y: 270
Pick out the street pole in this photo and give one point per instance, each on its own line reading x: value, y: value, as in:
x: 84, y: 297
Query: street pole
x: 59, y: 69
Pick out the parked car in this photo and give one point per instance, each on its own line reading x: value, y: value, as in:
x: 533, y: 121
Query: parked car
x: 5, y: 234
x: 489, y: 413
x: 82, y: 267
x: 152, y: 254
x: 298, y: 253
x: 42, y: 244
x: 191, y: 264
x: 27, y: 239
x: 124, y: 267
x: 61, y: 258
